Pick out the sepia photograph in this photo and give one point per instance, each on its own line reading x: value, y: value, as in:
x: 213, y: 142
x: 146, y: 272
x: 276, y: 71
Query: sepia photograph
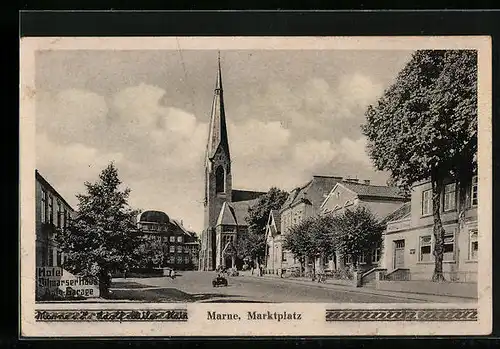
x: 211, y: 174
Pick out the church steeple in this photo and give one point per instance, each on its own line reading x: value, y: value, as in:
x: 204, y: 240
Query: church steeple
x: 217, y: 134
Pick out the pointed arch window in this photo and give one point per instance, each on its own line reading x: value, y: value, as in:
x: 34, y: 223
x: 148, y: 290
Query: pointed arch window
x: 220, y: 180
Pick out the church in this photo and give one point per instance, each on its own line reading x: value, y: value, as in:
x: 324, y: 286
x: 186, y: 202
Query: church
x: 225, y: 208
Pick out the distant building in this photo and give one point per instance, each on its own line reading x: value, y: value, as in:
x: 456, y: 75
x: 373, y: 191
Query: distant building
x: 179, y: 246
x: 303, y: 202
x: 52, y: 213
x: 276, y: 256
x: 382, y: 201
x: 409, y: 240
x: 226, y: 208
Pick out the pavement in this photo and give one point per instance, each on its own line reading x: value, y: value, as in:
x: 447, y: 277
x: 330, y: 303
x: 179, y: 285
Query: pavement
x: 195, y: 286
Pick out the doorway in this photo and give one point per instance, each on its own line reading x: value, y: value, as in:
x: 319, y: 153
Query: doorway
x: 399, y: 254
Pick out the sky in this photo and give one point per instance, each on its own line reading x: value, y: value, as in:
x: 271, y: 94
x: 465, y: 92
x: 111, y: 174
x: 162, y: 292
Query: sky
x: 290, y: 115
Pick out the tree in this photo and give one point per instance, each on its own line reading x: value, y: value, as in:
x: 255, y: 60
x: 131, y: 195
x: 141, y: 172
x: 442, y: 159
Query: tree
x: 253, y: 244
x: 357, y: 231
x: 102, y: 237
x: 298, y: 240
x: 151, y: 252
x: 425, y: 127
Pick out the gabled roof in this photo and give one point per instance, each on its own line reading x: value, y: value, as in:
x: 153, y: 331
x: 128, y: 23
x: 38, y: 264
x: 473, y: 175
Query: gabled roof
x: 277, y: 218
x: 244, y: 195
x: 181, y: 227
x: 313, y: 192
x: 235, y: 213
x: 401, y: 212
x: 368, y: 190
x: 274, y: 223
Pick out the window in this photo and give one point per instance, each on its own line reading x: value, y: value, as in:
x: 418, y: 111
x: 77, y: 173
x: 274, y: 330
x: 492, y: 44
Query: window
x: 347, y: 203
x: 219, y: 180
x: 186, y: 250
x: 179, y: 249
x: 44, y: 206
x: 59, y: 258
x: 348, y: 259
x: 51, y: 257
x: 425, y: 248
x: 376, y: 255
x: 59, y: 213
x: 51, y: 209
x: 449, y: 247
x: 426, y: 202
x: 172, y: 249
x: 63, y: 217
x: 172, y: 239
x: 362, y: 258
x: 449, y: 197
x: 473, y: 245
x: 283, y: 256
x: 474, y: 191
x: 179, y: 239
x: 171, y: 259
x: 179, y: 259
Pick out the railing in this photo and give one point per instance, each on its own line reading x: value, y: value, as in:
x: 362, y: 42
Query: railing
x: 371, y: 274
x: 398, y: 274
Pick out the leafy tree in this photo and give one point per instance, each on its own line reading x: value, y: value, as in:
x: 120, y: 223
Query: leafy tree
x: 356, y: 231
x: 425, y: 127
x: 298, y: 240
x: 253, y: 244
x: 151, y: 252
x: 102, y: 237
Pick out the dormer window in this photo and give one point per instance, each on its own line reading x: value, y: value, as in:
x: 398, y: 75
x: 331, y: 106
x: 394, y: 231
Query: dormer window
x: 348, y: 203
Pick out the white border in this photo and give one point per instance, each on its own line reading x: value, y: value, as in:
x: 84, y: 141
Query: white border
x: 313, y: 322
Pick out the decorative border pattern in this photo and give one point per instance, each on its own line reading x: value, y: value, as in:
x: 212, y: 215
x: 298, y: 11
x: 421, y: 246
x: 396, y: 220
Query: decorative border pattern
x: 401, y: 315
x: 110, y: 315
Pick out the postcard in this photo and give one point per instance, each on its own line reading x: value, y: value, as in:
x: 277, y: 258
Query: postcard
x: 255, y: 186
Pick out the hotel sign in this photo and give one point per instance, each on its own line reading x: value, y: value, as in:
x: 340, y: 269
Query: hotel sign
x: 57, y: 283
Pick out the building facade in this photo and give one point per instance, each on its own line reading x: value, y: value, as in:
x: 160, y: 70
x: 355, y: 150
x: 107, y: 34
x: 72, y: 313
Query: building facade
x: 303, y: 202
x: 176, y: 247
x: 409, y: 241
x: 225, y: 208
x: 276, y: 256
x: 52, y: 214
x: 382, y: 201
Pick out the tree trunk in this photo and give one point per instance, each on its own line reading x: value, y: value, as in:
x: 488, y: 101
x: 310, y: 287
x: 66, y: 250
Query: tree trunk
x: 104, y: 284
x: 438, y: 230
x: 463, y: 183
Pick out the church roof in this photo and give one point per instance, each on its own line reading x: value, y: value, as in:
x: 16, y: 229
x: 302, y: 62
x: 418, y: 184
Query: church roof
x: 245, y: 195
x: 217, y: 134
x: 235, y: 213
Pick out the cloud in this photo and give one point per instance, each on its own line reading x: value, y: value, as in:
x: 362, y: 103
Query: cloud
x: 70, y: 115
x: 71, y: 165
x: 355, y: 150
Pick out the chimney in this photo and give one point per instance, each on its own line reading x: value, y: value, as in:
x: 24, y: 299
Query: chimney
x: 367, y: 181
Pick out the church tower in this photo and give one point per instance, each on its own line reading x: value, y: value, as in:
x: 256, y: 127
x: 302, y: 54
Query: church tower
x: 218, y: 183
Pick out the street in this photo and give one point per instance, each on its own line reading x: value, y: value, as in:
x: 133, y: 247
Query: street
x: 194, y: 286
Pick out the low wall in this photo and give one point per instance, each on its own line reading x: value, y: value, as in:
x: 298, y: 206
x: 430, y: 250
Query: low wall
x: 453, y: 289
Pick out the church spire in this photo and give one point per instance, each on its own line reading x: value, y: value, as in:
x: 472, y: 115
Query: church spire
x: 217, y: 134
